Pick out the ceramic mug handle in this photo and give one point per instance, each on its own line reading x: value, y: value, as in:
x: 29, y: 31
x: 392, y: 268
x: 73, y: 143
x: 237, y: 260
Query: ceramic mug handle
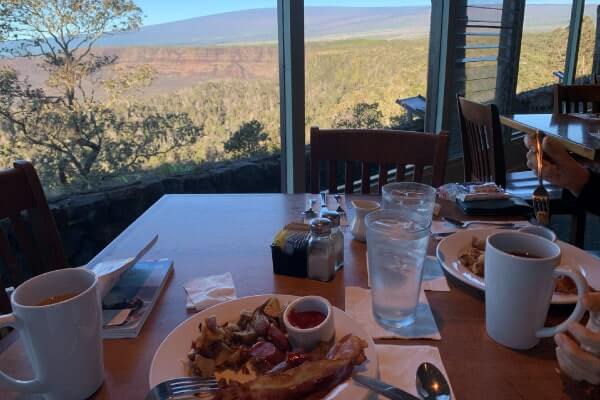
x: 33, y: 386
x: 578, y: 312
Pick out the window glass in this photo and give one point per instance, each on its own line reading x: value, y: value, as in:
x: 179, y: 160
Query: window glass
x: 544, y: 44
x: 366, y: 63
x: 107, y: 93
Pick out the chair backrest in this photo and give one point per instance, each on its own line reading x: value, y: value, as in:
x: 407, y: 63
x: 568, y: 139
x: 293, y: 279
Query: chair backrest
x: 28, y: 246
x: 387, y: 148
x: 483, y: 152
x: 576, y: 98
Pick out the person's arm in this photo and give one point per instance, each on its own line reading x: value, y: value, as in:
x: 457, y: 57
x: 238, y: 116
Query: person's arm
x: 578, y: 349
x: 562, y: 170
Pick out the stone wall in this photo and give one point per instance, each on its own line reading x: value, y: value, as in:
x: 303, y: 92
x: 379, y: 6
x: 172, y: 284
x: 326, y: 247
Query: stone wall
x: 88, y: 222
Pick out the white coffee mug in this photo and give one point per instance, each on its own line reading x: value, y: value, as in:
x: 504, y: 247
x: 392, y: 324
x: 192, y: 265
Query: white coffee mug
x: 63, y: 340
x: 519, y: 288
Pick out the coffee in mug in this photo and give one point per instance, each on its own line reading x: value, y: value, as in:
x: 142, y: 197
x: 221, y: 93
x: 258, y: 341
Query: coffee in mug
x: 59, y: 318
x: 520, y: 275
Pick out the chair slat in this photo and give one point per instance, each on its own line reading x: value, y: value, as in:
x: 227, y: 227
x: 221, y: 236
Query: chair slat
x: 26, y: 244
x: 348, y: 180
x: 418, y: 174
x: 400, y: 172
x: 332, y: 184
x: 4, y: 299
x: 10, y: 261
x: 365, y: 185
x: 383, y: 173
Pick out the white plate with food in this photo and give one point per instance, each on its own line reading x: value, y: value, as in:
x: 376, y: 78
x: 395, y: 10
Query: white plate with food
x: 461, y: 254
x: 253, y: 371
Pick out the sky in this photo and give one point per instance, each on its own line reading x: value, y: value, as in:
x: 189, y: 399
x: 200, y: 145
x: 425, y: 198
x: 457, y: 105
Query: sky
x: 160, y: 11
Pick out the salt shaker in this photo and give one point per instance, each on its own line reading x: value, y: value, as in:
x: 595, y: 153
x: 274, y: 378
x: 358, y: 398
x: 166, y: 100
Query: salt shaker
x: 321, y: 250
x: 337, y: 236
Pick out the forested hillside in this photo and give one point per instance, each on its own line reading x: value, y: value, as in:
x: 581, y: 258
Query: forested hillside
x: 223, y: 101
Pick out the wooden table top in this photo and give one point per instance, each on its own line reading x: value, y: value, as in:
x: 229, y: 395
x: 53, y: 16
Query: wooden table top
x: 576, y: 132
x: 211, y: 234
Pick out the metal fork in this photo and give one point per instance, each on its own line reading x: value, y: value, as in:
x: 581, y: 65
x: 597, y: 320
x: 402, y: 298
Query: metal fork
x: 202, y: 388
x: 540, y: 198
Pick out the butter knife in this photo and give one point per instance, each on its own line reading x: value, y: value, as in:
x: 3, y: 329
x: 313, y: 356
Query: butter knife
x: 384, y: 389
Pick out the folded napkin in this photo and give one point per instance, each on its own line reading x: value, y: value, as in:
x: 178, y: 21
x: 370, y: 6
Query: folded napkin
x: 207, y: 291
x: 398, y: 365
x: 359, y: 307
x: 434, y: 279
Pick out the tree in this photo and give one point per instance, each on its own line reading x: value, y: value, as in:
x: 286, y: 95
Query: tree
x: 249, y: 140
x: 66, y: 129
x: 362, y: 115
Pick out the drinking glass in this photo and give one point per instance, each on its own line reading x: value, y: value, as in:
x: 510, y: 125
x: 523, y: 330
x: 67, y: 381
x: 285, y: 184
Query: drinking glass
x: 396, y: 245
x: 413, y: 196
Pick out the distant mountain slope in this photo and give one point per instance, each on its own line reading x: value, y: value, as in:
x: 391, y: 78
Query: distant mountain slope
x: 260, y: 25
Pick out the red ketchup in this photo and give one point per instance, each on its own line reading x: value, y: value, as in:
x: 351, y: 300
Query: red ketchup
x: 305, y: 319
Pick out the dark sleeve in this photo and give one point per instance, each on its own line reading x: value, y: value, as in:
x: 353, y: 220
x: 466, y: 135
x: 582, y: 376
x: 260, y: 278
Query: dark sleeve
x: 589, y: 198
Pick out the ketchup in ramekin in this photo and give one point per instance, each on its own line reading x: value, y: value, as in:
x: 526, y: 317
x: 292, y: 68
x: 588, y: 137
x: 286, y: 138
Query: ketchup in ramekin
x: 306, y: 319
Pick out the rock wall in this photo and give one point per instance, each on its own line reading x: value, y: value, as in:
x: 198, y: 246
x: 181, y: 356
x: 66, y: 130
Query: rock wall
x: 88, y: 222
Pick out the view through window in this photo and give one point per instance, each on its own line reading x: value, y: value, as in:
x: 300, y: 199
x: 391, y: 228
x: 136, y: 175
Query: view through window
x: 585, y: 55
x: 363, y: 61
x: 544, y: 43
x: 171, y: 87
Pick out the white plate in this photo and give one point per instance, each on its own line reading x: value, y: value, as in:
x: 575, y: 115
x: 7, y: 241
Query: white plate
x: 168, y: 361
x: 449, y: 249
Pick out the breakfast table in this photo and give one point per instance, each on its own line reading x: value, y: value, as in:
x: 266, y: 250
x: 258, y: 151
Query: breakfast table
x: 212, y: 234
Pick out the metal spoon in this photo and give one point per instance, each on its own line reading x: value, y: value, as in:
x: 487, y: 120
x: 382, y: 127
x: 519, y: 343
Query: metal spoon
x: 431, y: 383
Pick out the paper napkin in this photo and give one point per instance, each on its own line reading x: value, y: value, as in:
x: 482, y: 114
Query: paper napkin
x: 398, y: 365
x: 207, y: 291
x: 358, y: 306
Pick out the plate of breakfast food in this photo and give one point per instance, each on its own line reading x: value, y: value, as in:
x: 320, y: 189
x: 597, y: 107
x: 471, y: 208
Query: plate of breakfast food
x: 270, y: 346
x: 462, y: 255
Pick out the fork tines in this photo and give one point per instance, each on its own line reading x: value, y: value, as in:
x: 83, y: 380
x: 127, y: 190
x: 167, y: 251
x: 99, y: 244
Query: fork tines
x: 184, y: 385
x: 177, y: 387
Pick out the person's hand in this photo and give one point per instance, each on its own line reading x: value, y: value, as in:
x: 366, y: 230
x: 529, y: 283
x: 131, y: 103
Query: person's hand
x: 580, y: 358
x: 558, y: 167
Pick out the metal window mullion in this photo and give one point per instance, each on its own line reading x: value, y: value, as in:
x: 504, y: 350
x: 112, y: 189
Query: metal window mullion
x: 290, y: 15
x: 573, y: 42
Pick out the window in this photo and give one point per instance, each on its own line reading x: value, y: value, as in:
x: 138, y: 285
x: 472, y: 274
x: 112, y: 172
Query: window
x: 544, y: 44
x: 366, y: 65
x: 173, y: 88
x: 585, y: 55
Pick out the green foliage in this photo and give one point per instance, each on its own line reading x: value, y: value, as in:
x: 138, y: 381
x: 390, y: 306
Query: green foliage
x: 249, y: 140
x: 137, y: 123
x: 73, y: 137
x: 362, y: 115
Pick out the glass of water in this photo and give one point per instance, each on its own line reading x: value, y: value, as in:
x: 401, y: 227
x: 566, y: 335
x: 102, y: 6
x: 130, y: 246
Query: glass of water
x: 413, y: 196
x: 396, y: 245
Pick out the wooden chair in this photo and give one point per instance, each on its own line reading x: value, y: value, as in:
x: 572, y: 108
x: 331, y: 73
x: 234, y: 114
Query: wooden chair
x: 576, y: 98
x: 483, y: 152
x: 28, y: 246
x: 386, y: 148
x: 483, y: 156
